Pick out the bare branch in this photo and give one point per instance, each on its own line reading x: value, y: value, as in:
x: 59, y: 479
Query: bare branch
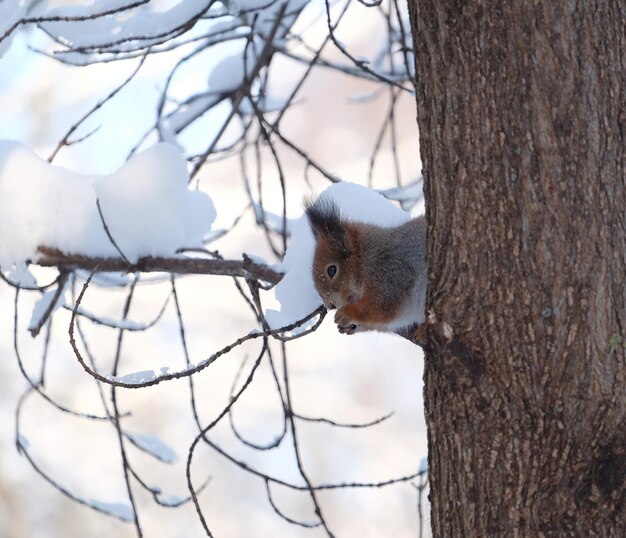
x: 51, y: 257
x: 65, y: 140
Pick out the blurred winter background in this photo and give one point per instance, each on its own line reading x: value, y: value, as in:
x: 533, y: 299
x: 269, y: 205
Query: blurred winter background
x: 357, y: 128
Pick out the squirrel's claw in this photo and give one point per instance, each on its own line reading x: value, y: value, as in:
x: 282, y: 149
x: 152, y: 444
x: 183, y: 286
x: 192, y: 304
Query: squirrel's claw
x: 351, y: 329
x: 345, y: 325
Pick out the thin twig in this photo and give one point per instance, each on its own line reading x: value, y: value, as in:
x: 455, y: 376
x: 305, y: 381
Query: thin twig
x: 116, y: 413
x: 156, y: 379
x: 64, y: 141
x: 109, y: 235
x: 244, y: 89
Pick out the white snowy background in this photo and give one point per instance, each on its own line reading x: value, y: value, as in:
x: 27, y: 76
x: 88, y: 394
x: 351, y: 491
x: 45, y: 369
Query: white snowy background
x: 346, y: 378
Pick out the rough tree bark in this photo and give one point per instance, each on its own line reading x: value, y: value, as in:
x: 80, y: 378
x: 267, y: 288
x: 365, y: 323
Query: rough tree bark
x: 522, y: 115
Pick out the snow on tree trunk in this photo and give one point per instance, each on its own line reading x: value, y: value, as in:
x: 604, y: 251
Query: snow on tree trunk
x: 522, y: 116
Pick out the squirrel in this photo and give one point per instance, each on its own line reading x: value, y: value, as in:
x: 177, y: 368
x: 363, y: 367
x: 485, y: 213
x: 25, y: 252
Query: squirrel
x: 374, y: 276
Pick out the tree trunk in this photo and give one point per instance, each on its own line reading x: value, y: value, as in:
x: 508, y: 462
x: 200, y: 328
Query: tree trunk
x: 522, y: 115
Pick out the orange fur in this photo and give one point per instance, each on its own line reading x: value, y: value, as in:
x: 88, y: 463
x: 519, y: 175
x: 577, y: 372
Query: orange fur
x: 367, y: 310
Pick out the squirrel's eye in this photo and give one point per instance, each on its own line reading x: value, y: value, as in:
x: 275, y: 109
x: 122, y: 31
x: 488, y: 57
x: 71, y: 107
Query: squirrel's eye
x: 331, y: 270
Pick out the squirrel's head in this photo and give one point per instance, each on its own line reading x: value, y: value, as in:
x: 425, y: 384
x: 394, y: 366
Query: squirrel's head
x: 336, y: 271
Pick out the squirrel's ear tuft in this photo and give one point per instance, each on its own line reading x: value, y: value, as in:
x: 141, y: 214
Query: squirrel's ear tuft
x: 325, y: 221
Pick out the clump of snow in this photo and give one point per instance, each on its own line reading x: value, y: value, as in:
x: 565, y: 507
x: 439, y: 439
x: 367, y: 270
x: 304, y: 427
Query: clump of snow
x: 44, y: 303
x: 410, y: 196
x: 265, y: 103
x: 257, y: 259
x: 296, y: 292
x: 135, y: 378
x: 423, y: 468
x: 21, y: 276
x: 228, y: 74
x: 146, y: 205
x: 172, y: 500
x: 187, y: 113
x: 23, y: 441
x: 119, y: 510
x: 125, y: 26
x: 150, y: 193
x: 153, y: 445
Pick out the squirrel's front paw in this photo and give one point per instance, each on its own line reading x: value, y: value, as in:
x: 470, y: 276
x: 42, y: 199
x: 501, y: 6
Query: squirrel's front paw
x: 345, y: 324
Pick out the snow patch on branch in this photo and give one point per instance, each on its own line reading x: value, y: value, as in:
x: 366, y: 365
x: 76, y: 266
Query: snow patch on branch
x: 123, y: 29
x: 228, y: 74
x: 118, y: 510
x: 21, y: 276
x: 172, y: 500
x: 153, y: 445
x: 146, y: 205
x: 134, y: 378
x: 423, y: 467
x: 44, y: 304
